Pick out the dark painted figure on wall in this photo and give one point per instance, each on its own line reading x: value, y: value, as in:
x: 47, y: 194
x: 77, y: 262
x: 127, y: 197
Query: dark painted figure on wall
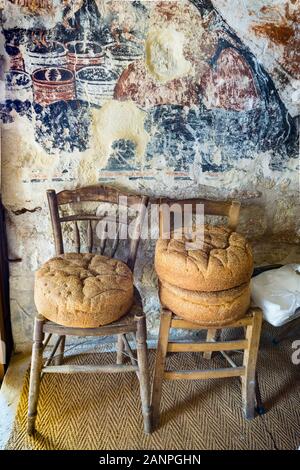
x: 225, y: 108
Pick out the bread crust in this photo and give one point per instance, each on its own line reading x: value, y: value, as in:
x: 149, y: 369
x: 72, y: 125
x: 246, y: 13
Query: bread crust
x: 224, y: 261
x: 206, y: 308
x: 83, y: 290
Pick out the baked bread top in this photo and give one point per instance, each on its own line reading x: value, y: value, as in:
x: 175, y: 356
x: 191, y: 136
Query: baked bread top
x: 213, y: 259
x: 83, y: 290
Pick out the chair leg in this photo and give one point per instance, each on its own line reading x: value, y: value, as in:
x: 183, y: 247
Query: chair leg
x: 162, y: 346
x: 212, y: 335
x: 59, y: 357
x: 249, y: 361
x: 259, y: 403
x: 142, y: 357
x: 35, y: 373
x: 120, y: 349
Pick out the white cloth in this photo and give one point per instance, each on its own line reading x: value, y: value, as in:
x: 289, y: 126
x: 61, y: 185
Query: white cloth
x: 277, y: 293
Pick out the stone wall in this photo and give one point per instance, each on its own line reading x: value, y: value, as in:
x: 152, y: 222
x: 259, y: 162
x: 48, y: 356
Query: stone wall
x: 178, y: 98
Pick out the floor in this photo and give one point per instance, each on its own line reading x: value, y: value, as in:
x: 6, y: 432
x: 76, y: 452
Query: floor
x: 210, y: 406
x: 11, y: 387
x: 10, y: 393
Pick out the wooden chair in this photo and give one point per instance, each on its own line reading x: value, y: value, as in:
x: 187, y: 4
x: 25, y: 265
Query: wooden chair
x: 251, y: 324
x: 134, y: 322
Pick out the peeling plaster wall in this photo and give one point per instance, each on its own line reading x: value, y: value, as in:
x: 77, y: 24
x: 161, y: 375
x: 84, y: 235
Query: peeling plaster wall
x: 182, y: 98
x: 271, y: 30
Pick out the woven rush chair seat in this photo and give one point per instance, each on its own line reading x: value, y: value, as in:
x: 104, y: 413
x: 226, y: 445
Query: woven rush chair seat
x: 83, y: 290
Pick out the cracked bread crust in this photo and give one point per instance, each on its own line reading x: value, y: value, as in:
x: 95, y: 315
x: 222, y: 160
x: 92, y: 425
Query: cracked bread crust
x: 207, y: 308
x: 83, y: 290
x: 224, y: 261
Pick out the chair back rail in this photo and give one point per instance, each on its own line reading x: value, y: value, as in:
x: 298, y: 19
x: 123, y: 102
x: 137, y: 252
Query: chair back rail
x: 96, y: 193
x: 101, y: 194
x: 229, y: 209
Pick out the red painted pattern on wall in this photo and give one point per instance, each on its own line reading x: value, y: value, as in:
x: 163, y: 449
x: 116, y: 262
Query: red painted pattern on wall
x: 280, y: 25
x: 229, y: 84
x: 137, y: 84
x: 35, y: 6
x: 53, y: 84
x: 82, y: 54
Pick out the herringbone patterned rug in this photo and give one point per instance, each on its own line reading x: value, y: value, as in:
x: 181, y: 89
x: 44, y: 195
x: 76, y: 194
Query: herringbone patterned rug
x: 103, y: 411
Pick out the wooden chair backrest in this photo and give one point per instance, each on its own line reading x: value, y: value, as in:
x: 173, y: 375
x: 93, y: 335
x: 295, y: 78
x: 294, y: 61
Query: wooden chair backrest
x: 101, y: 194
x: 229, y: 209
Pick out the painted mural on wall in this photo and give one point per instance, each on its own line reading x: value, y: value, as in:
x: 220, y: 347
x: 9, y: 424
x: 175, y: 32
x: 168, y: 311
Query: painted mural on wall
x: 162, y: 85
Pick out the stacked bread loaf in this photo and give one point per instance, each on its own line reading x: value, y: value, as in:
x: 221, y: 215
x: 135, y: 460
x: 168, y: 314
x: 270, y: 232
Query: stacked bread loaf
x: 205, y: 280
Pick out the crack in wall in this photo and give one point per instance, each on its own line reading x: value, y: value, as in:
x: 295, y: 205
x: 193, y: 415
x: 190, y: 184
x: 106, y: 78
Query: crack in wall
x: 24, y: 210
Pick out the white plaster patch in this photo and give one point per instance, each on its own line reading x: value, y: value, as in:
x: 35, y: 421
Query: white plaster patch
x: 164, y: 54
x: 119, y: 120
x: 32, y: 16
x: 23, y: 159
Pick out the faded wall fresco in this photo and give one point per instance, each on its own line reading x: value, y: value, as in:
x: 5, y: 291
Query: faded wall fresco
x: 270, y: 28
x: 206, y: 99
x: 180, y: 98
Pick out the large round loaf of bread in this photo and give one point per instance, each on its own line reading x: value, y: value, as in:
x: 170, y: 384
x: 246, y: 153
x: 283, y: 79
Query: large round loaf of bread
x: 83, y: 290
x: 217, y: 259
x: 206, y: 308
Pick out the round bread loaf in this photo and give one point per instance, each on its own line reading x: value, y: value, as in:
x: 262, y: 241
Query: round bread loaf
x: 83, y: 290
x: 217, y: 259
x: 206, y: 308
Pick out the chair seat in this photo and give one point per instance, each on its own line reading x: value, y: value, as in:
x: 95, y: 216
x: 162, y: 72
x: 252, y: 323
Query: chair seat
x: 83, y: 290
